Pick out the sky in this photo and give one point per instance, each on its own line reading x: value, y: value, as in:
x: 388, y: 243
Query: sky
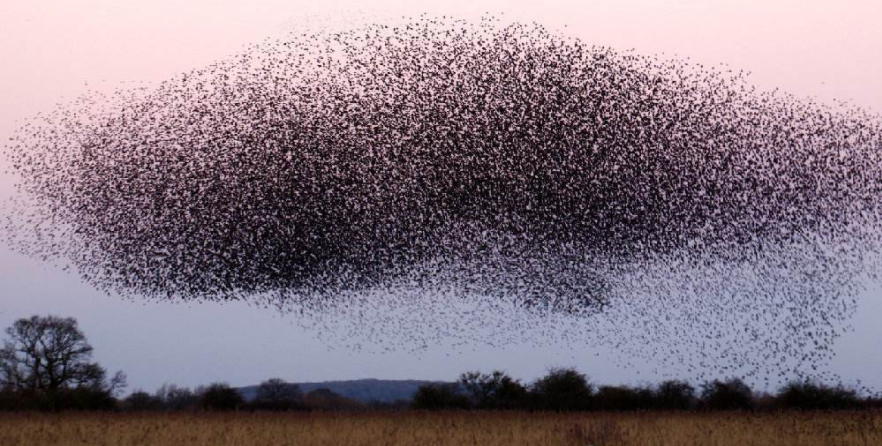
x: 53, y: 51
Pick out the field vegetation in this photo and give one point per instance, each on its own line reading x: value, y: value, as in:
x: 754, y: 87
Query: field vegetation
x: 513, y: 428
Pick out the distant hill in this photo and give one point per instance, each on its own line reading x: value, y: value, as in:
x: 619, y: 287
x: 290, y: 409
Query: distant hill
x: 364, y: 390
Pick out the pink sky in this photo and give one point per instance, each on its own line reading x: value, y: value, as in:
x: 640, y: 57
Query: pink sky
x: 832, y: 49
x: 50, y: 50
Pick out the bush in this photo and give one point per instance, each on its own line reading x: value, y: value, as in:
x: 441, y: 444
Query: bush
x: 562, y: 389
x: 732, y: 394
x: 79, y: 399
x: 440, y: 397
x: 325, y: 399
x: 807, y: 395
x: 8, y: 400
x: 277, y: 395
x: 387, y: 406
x: 220, y: 396
x: 496, y: 391
x: 172, y: 397
x: 509, y: 395
x: 675, y: 395
x: 142, y: 401
x: 621, y: 398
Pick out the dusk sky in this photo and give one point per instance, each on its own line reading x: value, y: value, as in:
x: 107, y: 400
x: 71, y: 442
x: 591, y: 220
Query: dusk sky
x: 53, y: 51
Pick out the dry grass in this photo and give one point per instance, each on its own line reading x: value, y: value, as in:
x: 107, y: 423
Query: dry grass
x: 509, y: 429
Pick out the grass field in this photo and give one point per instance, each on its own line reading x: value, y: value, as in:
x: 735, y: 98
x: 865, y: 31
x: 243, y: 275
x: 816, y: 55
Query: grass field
x: 454, y: 428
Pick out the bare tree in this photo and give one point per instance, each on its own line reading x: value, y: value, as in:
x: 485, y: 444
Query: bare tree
x: 50, y: 354
x: 277, y: 394
x: 496, y: 390
x: 173, y: 397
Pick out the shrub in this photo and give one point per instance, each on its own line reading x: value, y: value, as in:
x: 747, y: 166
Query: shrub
x: 172, y: 397
x: 496, y: 390
x: 675, y: 395
x: 562, y: 389
x: 325, y: 399
x: 620, y: 398
x: 440, y: 397
x: 220, y: 396
x: 807, y: 395
x: 732, y: 394
x: 276, y: 394
x: 142, y: 401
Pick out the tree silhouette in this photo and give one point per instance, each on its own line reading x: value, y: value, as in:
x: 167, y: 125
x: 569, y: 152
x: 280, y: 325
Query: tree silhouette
x: 563, y: 389
x: 277, y: 394
x: 496, y: 390
x: 49, y: 358
x: 808, y: 395
x: 220, y: 396
x: 439, y: 397
x: 732, y: 394
x: 675, y: 395
x: 142, y: 401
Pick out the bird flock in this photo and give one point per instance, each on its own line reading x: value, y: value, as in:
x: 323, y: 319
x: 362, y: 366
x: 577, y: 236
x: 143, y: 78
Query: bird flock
x: 450, y: 181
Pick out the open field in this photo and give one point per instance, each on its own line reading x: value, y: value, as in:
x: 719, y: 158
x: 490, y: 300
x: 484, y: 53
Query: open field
x: 452, y: 428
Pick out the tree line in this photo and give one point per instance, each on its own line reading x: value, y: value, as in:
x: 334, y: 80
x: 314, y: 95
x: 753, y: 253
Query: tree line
x: 272, y: 395
x: 566, y: 389
x: 46, y: 364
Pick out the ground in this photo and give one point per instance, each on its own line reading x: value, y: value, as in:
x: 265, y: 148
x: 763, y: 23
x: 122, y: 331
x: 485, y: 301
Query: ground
x: 451, y: 428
